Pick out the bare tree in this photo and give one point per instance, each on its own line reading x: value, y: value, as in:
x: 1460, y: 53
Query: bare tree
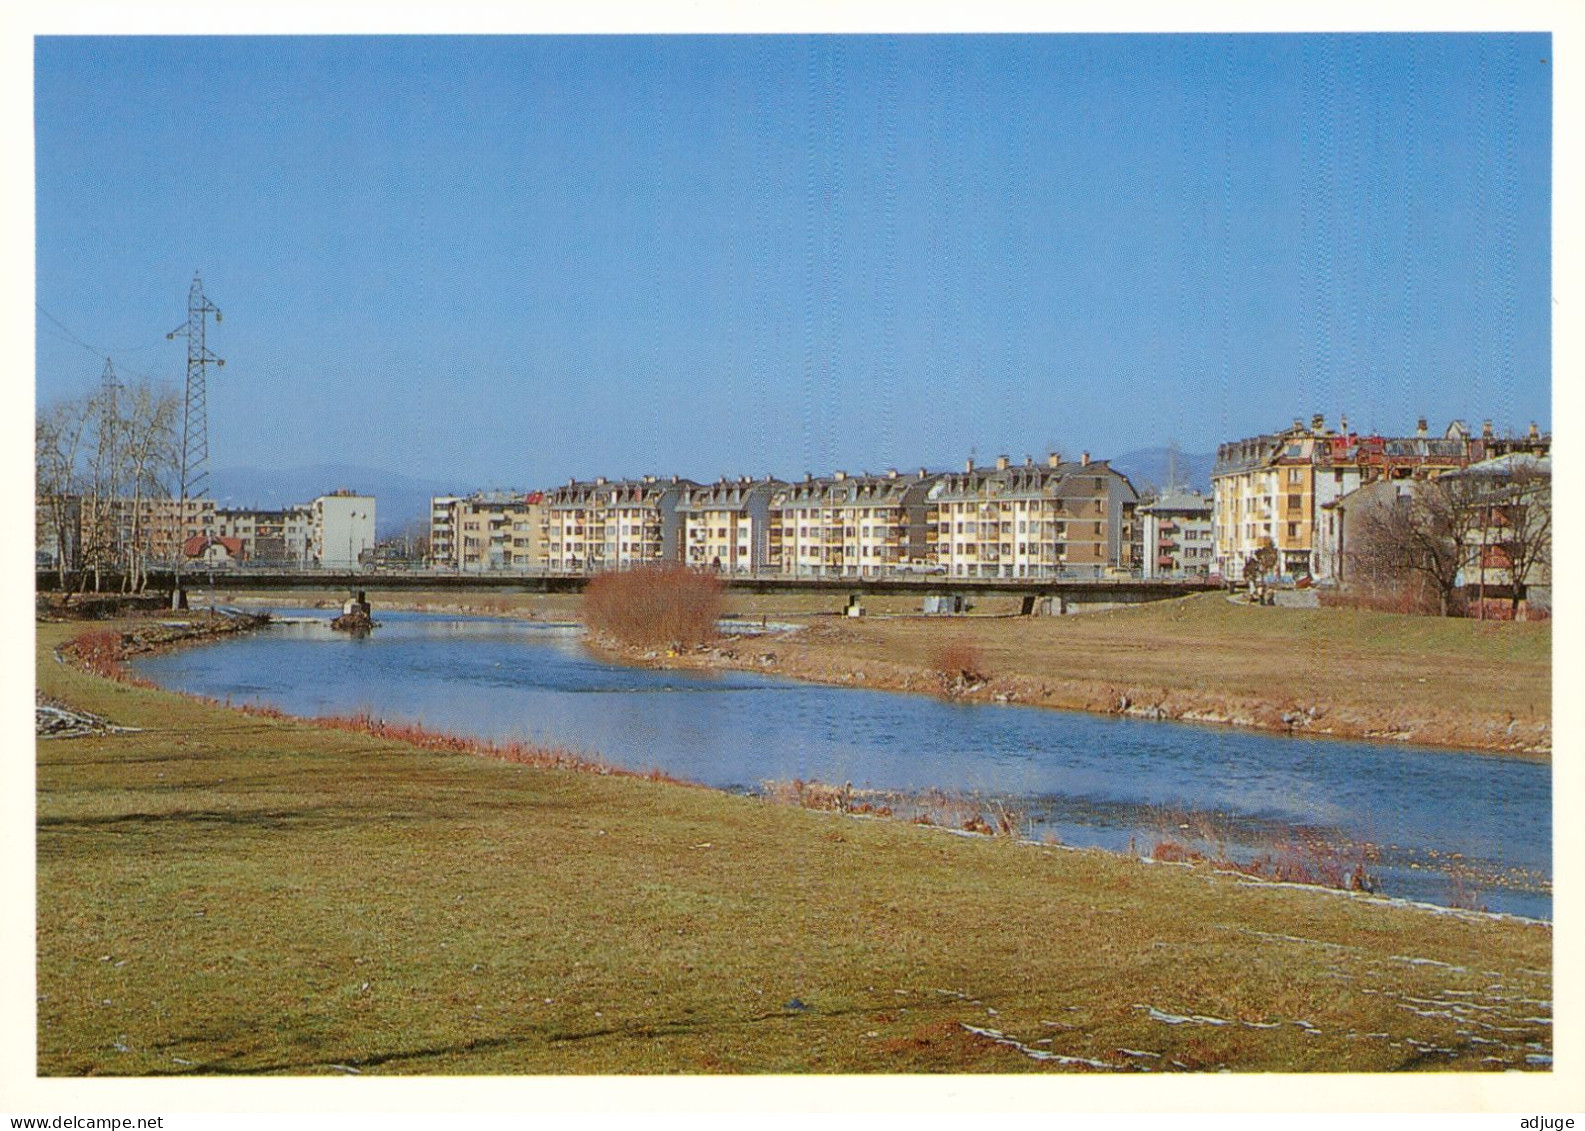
x: 58, y: 438
x: 150, y: 458
x: 1260, y: 564
x: 1421, y: 536
x: 97, y: 459
x: 1515, y: 527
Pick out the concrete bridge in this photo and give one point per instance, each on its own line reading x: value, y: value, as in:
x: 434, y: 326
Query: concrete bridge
x: 1065, y: 591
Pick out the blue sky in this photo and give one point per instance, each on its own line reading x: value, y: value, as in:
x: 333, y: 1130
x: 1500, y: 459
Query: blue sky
x: 512, y: 260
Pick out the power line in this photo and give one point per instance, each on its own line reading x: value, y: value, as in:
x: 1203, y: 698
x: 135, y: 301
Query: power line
x: 97, y: 351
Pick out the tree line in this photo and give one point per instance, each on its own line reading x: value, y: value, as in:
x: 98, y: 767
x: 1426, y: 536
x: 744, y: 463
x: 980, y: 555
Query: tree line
x: 97, y: 459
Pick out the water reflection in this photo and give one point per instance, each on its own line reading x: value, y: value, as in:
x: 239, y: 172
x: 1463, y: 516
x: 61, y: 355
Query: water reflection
x: 1431, y: 817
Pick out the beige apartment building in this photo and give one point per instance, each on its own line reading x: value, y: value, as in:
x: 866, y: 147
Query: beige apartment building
x: 109, y: 533
x: 619, y: 524
x: 487, y: 531
x: 726, y: 525
x: 1032, y: 521
x: 267, y: 537
x: 850, y: 526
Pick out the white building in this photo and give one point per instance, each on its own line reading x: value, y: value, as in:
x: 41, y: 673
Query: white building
x: 341, y: 529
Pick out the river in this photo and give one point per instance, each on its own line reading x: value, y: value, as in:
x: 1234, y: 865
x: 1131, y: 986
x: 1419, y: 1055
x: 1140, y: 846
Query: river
x: 1446, y: 827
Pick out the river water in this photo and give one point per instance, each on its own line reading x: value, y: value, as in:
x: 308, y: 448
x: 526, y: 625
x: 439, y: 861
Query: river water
x: 1445, y: 827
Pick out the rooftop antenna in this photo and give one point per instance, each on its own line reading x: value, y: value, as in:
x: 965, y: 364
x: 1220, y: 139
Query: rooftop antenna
x: 195, y: 416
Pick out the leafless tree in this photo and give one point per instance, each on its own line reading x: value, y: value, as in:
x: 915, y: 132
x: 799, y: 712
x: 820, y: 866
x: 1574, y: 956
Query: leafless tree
x: 150, y: 459
x: 96, y: 460
x: 58, y: 439
x: 1516, y: 527
x: 1422, y: 536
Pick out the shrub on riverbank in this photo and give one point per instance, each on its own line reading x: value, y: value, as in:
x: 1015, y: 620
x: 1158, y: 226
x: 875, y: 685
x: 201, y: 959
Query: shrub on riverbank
x: 656, y: 606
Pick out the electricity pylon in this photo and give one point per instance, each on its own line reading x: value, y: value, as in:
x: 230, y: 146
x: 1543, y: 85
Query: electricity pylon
x: 195, y: 414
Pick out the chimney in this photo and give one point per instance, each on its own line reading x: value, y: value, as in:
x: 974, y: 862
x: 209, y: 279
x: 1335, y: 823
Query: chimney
x: 891, y: 473
x: 1001, y: 463
x: 809, y: 477
x: 1084, y: 458
x: 1342, y: 425
x: 599, y: 481
x: 1298, y: 425
x: 1053, y: 458
x: 1535, y: 433
x: 839, y: 476
x: 1318, y: 423
x: 1485, y: 430
x: 1420, y: 427
x: 1029, y: 461
x: 924, y: 473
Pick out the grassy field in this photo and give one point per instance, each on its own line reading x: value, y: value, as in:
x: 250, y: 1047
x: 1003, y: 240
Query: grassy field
x: 220, y: 893
x: 1442, y: 680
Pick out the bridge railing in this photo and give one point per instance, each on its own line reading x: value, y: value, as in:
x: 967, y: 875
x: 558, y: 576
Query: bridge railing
x: 922, y: 578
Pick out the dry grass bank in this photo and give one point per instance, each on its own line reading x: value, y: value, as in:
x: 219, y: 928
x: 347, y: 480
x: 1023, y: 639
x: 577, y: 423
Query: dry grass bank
x: 221, y: 893
x: 1344, y: 672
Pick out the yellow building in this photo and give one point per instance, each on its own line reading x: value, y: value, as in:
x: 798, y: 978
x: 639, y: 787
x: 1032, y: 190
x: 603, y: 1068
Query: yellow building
x: 1282, y: 488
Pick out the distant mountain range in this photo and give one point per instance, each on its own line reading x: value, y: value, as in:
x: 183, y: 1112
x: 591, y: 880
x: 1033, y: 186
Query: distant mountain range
x: 399, y: 499
x: 1148, y: 467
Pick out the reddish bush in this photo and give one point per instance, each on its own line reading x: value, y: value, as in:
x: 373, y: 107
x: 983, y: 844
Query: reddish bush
x: 959, y: 665
x: 657, y: 606
x: 99, y: 652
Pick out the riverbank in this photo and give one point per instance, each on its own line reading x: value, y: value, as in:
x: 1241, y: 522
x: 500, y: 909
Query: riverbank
x: 1343, y: 673
x: 215, y: 895
x: 1327, y: 672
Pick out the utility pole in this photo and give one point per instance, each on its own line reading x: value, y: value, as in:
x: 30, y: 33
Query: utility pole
x: 195, y: 415
x: 105, y: 477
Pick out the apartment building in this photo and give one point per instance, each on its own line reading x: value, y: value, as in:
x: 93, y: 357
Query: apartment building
x: 726, y: 525
x: 1176, y: 536
x: 340, y: 529
x: 603, y: 524
x: 1284, y: 486
x: 1029, y: 521
x: 850, y: 525
x: 267, y: 537
x: 488, y: 530
x: 443, y: 530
